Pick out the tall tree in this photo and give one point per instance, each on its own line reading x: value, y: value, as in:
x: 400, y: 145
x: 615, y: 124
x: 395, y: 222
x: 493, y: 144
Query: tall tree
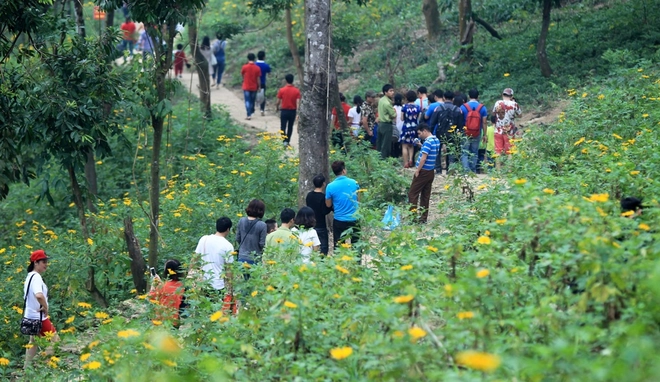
x: 160, y: 18
x: 201, y: 67
x: 464, y: 16
x: 314, y: 110
x: 541, y: 53
x: 432, y: 17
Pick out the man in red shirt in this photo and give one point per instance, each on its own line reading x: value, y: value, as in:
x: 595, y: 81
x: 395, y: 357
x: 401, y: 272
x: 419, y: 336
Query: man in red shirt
x: 288, y: 99
x: 345, y: 107
x: 129, y: 30
x: 251, y: 83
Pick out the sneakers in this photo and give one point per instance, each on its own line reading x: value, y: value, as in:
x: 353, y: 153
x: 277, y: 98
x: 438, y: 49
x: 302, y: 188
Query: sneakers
x: 263, y: 113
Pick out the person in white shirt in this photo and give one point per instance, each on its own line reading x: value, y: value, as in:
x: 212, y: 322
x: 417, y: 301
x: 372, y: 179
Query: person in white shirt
x: 35, y: 294
x: 355, y: 115
x: 309, y: 239
x: 217, y: 251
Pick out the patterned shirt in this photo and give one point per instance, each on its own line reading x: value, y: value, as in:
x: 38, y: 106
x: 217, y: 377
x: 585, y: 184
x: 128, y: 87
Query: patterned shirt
x: 506, y: 112
x: 368, y: 112
x: 430, y: 147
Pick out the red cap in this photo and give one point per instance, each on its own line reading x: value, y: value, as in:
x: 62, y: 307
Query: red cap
x: 37, y: 255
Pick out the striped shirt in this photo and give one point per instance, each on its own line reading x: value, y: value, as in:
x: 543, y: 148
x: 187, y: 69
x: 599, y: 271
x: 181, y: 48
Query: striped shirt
x: 431, y: 147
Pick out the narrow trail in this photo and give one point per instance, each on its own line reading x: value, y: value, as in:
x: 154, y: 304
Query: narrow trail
x: 235, y: 106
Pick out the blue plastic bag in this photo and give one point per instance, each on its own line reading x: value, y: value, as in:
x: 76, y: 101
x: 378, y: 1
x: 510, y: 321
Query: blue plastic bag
x: 391, y: 220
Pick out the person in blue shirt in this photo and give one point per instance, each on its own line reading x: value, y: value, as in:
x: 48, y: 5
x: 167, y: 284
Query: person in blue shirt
x: 342, y: 194
x: 265, y: 69
x: 420, y: 188
x: 437, y: 100
x: 471, y: 144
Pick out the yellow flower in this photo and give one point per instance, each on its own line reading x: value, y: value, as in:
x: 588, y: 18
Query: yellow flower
x: 278, y: 240
x: 549, y: 191
x: 584, y: 95
x: 356, y: 279
x: 101, y: 315
x: 93, y: 344
x: 92, y: 365
x: 362, y: 190
x: 506, y: 74
x: 157, y: 322
x: 520, y: 181
x: 404, y: 299
x: 448, y: 290
x: 617, y: 136
x: 85, y: 356
x: 169, y: 363
x: 644, y: 226
x: 127, y: 333
x: 628, y: 213
x: 601, y: 96
x: 483, y: 273
x: 255, y: 293
x: 290, y: 305
x: 270, y: 288
x: 341, y: 269
x: 346, y: 258
x: 634, y: 172
x: 447, y: 186
x: 168, y: 344
x: 406, y: 267
x: 4, y: 362
x: 645, y: 115
x: 478, y: 360
x: 341, y: 353
x: 346, y: 245
x: 216, y: 316
x: 599, y: 197
x: 246, y: 265
x: 514, y: 270
x: 70, y: 320
x: 397, y: 334
x: 336, y: 295
x: 464, y: 315
x: 579, y: 141
x: 500, y: 221
x: 416, y: 333
x: 90, y: 241
x: 84, y: 305
x: 483, y: 240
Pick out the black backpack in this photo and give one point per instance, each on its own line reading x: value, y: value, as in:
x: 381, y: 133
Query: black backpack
x: 444, y: 117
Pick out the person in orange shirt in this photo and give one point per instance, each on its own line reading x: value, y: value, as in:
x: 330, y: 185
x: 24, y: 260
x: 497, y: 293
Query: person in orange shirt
x: 169, y: 296
x: 129, y: 31
x: 251, y: 83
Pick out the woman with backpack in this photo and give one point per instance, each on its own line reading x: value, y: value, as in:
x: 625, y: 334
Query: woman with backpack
x: 218, y: 49
x: 35, y: 310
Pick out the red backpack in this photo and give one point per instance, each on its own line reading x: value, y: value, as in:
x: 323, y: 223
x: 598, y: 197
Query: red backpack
x: 473, y: 121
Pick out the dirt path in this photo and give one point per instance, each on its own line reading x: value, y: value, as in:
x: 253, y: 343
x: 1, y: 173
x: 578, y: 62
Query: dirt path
x: 235, y: 106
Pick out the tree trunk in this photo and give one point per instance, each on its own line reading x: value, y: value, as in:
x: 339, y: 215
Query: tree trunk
x: 314, y: 111
x: 201, y: 67
x: 92, y: 183
x: 541, y: 54
x: 138, y: 267
x: 80, y: 19
x: 163, y: 62
x: 109, y: 18
x: 464, y: 16
x: 292, y: 46
x: 432, y: 17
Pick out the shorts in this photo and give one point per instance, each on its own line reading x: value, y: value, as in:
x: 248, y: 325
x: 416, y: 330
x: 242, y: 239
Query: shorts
x: 502, y: 144
x: 47, y: 327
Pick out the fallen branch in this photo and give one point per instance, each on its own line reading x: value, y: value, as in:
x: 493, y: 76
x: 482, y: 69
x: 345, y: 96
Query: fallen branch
x: 489, y: 28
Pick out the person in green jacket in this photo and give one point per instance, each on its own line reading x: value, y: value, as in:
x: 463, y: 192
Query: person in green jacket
x: 386, y: 120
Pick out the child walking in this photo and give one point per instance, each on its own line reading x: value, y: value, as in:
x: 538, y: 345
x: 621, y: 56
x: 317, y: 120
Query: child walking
x: 179, y: 59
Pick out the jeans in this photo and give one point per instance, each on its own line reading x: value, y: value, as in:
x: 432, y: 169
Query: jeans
x: 339, y: 227
x: 218, y: 69
x: 287, y: 117
x: 262, y: 107
x: 323, y: 238
x: 482, y: 161
x: 450, y: 156
x: 250, y: 97
x: 127, y: 44
x: 384, y: 139
x: 246, y: 274
x: 470, y: 153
